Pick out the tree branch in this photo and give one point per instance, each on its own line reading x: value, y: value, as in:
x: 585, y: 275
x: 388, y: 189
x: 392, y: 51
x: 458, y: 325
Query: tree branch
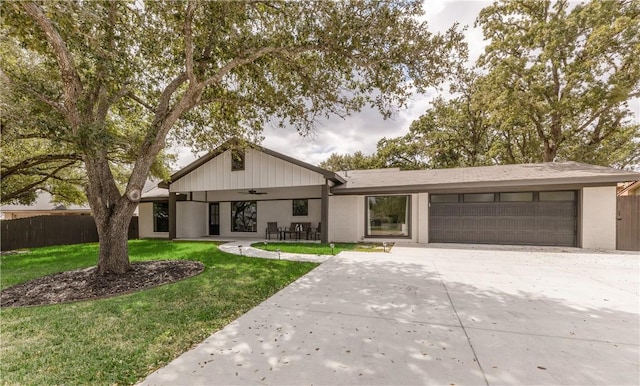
x: 60, y: 108
x: 188, y: 41
x: 71, y: 79
x: 35, y: 161
x: 16, y: 194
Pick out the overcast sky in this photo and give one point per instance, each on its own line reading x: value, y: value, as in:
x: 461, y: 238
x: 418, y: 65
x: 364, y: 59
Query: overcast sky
x: 361, y: 131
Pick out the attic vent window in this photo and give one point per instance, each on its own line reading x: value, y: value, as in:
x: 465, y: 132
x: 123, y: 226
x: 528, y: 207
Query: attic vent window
x: 237, y: 160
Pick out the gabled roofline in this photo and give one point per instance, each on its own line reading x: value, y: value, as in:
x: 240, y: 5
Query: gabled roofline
x: 237, y: 143
x: 631, y: 186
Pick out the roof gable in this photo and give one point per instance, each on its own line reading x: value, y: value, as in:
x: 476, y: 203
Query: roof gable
x: 264, y: 168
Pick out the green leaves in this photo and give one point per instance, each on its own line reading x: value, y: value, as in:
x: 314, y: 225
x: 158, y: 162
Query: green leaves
x: 567, y: 72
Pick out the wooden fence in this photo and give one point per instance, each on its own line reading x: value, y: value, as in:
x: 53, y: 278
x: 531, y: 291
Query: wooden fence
x: 45, y: 231
x: 628, y: 223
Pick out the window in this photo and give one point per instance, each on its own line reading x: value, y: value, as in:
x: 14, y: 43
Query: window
x: 444, y: 198
x: 237, y: 160
x: 478, y: 197
x: 558, y: 196
x: 244, y: 215
x: 387, y: 216
x: 161, y: 216
x: 301, y: 207
x: 516, y: 197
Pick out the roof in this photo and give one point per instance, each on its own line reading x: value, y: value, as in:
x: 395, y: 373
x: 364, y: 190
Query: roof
x: 236, y: 143
x: 43, y: 203
x: 522, y: 175
x: 629, y: 187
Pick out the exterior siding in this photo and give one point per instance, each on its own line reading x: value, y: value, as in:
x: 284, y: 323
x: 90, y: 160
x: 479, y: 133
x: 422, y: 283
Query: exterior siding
x: 346, y: 218
x: 599, y: 218
x: 191, y: 219
x: 145, y: 224
x: 261, y: 171
x: 422, y: 210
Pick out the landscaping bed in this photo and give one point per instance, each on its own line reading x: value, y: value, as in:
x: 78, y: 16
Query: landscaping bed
x: 121, y: 339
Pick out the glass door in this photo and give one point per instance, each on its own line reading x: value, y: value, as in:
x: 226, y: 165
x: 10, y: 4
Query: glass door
x: 214, y: 218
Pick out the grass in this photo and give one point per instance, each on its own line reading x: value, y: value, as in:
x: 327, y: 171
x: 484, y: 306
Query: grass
x: 321, y: 249
x: 120, y: 340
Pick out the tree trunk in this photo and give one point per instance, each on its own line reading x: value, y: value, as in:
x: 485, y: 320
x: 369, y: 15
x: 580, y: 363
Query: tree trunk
x: 114, y: 248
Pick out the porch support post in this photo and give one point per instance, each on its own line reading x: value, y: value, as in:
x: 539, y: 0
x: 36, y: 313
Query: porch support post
x: 324, y: 217
x: 172, y: 215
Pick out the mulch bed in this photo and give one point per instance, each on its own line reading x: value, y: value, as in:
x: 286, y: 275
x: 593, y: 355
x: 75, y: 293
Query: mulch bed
x: 85, y: 284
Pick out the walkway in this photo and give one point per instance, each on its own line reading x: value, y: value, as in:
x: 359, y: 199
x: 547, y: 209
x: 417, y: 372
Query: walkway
x: 243, y: 247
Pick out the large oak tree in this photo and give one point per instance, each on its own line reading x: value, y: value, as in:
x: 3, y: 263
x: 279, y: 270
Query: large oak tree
x: 565, y: 73
x: 554, y: 83
x: 127, y: 78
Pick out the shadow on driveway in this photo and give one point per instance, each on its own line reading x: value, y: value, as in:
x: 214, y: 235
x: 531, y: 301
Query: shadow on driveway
x: 431, y: 317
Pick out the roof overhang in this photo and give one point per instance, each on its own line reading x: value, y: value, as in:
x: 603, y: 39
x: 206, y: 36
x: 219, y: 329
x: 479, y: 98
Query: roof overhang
x: 483, y: 186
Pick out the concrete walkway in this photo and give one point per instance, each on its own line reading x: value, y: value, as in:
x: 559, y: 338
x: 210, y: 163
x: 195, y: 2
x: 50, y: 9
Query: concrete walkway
x: 434, y: 316
x: 244, y: 248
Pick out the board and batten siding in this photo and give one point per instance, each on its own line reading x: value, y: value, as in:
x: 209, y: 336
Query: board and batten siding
x: 261, y: 171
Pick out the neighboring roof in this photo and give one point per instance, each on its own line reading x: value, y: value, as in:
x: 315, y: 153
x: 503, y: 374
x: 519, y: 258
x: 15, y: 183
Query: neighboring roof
x: 43, y: 203
x: 235, y: 143
x: 550, y: 173
x: 155, y: 192
x: 629, y: 187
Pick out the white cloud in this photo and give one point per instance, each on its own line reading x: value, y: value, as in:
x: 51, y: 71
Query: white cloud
x: 362, y: 131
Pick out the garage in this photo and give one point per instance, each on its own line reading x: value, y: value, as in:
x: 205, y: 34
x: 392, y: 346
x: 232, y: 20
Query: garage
x: 512, y: 218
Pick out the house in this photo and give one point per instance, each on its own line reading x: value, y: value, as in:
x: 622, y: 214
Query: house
x: 43, y: 207
x: 629, y: 189
x: 234, y: 191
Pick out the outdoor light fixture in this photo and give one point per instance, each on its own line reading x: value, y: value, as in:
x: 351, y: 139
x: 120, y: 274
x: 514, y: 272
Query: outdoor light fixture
x: 384, y: 246
x: 265, y: 246
x: 240, y: 249
x: 278, y: 250
x: 332, y: 245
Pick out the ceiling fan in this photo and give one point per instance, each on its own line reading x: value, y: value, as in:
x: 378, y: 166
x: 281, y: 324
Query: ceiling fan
x: 252, y: 191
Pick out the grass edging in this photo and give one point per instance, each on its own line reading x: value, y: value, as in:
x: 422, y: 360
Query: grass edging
x: 120, y: 340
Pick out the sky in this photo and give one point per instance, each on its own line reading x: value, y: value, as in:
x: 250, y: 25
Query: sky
x: 362, y: 131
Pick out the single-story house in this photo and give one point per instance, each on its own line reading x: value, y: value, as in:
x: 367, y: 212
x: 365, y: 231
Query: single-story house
x: 233, y: 192
x: 43, y: 207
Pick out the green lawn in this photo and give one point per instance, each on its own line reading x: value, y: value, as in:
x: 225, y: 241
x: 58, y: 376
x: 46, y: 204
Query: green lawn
x: 321, y: 249
x: 121, y: 339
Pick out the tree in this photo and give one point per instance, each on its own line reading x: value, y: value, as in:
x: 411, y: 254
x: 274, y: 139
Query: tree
x: 565, y: 75
x: 28, y: 161
x: 452, y: 133
x: 127, y: 78
x: 356, y: 161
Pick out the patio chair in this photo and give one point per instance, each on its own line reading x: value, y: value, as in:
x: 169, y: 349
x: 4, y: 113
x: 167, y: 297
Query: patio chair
x: 316, y: 233
x: 272, y: 228
x: 297, y: 230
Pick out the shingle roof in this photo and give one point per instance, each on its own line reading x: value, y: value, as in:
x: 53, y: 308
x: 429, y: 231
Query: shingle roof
x: 550, y: 173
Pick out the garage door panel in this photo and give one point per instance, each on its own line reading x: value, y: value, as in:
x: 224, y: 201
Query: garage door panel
x: 520, y: 223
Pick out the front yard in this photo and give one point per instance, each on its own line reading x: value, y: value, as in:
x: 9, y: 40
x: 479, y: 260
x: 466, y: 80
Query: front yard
x: 120, y: 340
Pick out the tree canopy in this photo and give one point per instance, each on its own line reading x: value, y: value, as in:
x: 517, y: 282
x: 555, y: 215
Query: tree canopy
x: 554, y: 83
x: 124, y: 79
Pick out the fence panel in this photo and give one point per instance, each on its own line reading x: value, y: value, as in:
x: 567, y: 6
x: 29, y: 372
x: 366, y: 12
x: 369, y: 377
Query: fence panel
x: 42, y: 231
x: 628, y: 223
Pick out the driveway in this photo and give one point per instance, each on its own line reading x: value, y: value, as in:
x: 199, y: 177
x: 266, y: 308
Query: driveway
x: 435, y: 316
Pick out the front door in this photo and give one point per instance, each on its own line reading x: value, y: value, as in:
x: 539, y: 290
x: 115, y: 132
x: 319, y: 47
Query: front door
x: 214, y: 218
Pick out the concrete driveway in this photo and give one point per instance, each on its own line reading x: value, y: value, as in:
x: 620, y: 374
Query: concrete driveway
x: 435, y: 316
